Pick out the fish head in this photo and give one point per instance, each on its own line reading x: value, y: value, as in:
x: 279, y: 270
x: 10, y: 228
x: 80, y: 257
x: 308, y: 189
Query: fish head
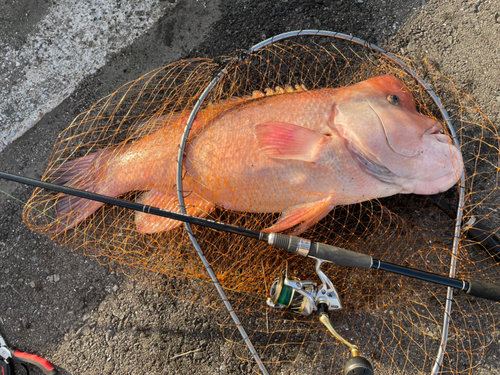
x: 392, y: 141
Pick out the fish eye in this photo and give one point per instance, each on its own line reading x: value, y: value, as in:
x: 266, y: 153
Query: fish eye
x: 393, y: 99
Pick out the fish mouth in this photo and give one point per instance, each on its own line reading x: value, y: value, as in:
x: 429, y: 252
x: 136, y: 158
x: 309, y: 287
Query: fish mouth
x: 438, y: 133
x: 436, y: 186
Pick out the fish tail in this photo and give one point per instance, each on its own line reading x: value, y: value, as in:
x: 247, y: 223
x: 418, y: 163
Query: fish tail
x: 87, y: 173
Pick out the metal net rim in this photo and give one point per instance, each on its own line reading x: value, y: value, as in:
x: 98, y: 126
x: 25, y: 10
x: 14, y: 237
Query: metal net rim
x: 387, y: 55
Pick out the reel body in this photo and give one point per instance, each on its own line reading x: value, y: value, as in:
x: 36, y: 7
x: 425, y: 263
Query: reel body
x: 303, y: 297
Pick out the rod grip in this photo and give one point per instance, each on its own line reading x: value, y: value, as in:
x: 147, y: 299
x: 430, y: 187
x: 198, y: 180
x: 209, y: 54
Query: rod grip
x: 328, y: 253
x: 484, y: 290
x: 340, y: 257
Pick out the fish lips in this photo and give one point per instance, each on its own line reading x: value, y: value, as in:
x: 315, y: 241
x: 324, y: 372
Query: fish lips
x: 446, y: 157
x: 435, y: 186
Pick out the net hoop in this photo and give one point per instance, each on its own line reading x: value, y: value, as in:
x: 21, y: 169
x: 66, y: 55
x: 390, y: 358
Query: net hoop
x: 387, y: 55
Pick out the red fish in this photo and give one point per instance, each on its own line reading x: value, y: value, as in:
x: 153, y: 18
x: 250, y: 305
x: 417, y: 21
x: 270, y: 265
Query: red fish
x: 298, y: 153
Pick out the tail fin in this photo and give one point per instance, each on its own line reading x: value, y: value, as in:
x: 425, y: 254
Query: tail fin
x: 85, y: 173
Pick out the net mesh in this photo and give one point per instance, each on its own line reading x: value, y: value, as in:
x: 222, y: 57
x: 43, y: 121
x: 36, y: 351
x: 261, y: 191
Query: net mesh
x: 395, y: 321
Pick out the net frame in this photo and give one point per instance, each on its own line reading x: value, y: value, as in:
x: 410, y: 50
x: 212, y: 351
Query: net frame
x: 331, y: 34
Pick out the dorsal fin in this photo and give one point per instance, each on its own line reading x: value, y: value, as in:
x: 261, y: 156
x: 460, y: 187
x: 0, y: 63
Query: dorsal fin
x: 257, y: 94
x: 280, y: 90
x: 214, y: 109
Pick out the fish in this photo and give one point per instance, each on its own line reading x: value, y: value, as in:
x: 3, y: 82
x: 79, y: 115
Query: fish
x: 297, y: 152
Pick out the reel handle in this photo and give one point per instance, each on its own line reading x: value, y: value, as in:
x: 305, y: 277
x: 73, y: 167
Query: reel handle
x: 356, y: 365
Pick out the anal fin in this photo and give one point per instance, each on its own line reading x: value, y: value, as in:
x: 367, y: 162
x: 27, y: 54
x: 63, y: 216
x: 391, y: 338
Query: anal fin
x: 147, y: 223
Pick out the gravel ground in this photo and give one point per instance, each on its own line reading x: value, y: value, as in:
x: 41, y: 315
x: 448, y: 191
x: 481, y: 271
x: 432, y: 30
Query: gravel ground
x: 88, y: 319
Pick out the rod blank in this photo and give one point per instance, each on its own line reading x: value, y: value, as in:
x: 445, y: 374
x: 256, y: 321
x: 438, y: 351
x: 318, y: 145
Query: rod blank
x: 133, y: 206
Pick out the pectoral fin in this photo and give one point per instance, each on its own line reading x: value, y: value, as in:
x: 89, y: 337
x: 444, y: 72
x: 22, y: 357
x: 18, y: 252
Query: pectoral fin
x: 279, y: 140
x: 306, y: 215
x: 147, y: 223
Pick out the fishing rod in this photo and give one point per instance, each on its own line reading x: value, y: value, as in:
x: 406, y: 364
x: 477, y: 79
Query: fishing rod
x: 300, y: 296
x: 293, y: 244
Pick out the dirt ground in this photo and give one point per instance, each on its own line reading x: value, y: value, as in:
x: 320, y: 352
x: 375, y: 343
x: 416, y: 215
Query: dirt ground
x: 88, y: 319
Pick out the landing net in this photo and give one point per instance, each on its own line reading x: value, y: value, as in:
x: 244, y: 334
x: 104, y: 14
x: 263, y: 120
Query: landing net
x: 395, y: 321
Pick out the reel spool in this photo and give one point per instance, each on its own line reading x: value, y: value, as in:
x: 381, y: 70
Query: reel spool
x: 306, y: 297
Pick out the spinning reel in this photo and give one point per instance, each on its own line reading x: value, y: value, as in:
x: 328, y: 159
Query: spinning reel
x: 304, y: 298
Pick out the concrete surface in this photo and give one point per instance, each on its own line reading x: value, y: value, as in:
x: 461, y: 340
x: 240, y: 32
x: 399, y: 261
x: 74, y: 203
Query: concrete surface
x: 84, y: 317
